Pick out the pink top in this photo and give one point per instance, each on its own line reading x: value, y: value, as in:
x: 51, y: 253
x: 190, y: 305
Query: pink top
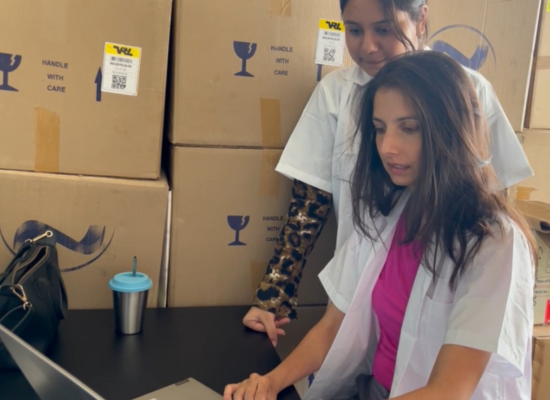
x: 389, y: 301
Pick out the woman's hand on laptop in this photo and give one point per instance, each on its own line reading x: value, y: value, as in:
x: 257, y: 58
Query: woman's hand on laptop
x: 257, y: 387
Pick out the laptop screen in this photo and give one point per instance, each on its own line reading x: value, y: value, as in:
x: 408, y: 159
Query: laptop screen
x: 49, y: 380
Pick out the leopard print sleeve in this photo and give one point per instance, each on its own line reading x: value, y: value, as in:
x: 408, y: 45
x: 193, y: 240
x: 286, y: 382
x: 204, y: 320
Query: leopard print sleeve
x: 307, y: 214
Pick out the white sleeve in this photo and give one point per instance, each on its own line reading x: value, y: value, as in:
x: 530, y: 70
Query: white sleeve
x: 493, y: 308
x: 309, y: 151
x: 508, y: 158
x: 341, y: 275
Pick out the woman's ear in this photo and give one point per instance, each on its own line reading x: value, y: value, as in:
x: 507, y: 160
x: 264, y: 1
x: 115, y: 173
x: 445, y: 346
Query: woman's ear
x: 422, y: 23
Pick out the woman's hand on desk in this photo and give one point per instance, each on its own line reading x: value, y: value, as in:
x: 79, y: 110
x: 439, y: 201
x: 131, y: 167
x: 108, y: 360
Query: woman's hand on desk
x: 257, y: 387
x: 265, y: 321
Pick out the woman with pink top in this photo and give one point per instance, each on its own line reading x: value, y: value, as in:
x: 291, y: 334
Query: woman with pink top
x: 431, y: 295
x: 319, y: 158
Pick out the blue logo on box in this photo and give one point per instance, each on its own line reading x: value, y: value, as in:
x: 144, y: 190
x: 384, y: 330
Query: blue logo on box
x: 8, y: 63
x: 479, y: 56
x: 245, y: 51
x: 93, y: 242
x: 237, y: 223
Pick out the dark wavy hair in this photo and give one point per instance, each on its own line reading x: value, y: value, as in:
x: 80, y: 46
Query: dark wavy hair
x: 411, y: 7
x: 455, y: 202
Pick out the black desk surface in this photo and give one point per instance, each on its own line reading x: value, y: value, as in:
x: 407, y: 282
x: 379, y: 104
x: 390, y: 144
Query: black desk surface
x: 209, y: 344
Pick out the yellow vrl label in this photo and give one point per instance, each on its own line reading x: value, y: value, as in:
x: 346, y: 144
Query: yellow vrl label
x: 330, y: 25
x: 122, y: 50
x: 548, y: 6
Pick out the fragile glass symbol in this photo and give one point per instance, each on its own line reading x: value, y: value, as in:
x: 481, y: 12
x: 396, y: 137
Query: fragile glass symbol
x: 237, y: 223
x: 244, y: 51
x: 7, y: 66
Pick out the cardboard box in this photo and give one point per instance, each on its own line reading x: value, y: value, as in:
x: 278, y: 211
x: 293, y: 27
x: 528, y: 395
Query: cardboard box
x: 54, y: 115
x: 100, y: 224
x: 219, y: 99
x: 494, y: 37
x: 512, y: 191
x: 540, y: 389
x: 537, y: 149
x: 538, y: 217
x: 539, y: 117
x: 228, y: 208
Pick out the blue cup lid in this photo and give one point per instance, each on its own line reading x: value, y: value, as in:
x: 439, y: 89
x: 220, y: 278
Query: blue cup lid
x: 126, y: 282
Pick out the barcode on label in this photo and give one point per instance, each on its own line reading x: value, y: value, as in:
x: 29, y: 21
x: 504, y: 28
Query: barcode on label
x: 329, y: 54
x: 118, y: 82
x: 122, y: 60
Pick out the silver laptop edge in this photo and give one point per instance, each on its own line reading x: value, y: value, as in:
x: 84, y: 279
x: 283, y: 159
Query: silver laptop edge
x: 50, y: 381
x: 42, y: 373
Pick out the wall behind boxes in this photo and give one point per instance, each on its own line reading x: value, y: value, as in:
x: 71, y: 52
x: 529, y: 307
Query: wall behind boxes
x: 85, y: 143
x: 533, y: 198
x: 539, y: 115
x: 537, y: 138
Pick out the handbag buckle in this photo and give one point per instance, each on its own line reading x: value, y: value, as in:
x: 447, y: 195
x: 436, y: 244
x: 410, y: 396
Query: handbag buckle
x: 46, y: 234
x: 21, y: 295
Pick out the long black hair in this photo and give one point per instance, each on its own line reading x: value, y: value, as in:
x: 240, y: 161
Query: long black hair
x: 455, y: 201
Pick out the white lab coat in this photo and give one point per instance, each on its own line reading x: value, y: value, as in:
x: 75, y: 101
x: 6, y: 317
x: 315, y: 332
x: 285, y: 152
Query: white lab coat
x: 320, y: 152
x: 490, y: 310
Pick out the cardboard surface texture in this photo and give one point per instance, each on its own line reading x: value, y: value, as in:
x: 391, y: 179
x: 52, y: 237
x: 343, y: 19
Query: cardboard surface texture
x: 228, y: 208
x: 494, y: 37
x: 100, y: 224
x: 541, y: 363
x: 537, y: 149
x: 539, y: 115
x: 54, y: 61
x: 538, y: 217
x: 246, y: 78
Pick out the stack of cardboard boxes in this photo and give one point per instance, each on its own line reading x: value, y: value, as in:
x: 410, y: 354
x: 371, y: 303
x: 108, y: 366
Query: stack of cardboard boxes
x: 242, y: 73
x: 82, y: 93
x: 538, y: 215
x: 82, y: 89
x: 541, y: 363
x: 537, y: 136
x: 533, y: 197
x: 495, y: 38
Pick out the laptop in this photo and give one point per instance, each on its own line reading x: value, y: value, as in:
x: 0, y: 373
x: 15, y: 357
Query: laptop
x: 51, y: 382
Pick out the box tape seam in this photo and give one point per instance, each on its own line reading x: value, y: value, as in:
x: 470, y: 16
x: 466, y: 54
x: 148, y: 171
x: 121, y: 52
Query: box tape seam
x: 270, y: 116
x: 46, y: 140
x: 270, y: 179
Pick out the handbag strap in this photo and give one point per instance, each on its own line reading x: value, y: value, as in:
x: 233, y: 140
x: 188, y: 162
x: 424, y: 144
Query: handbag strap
x: 16, y: 291
x: 13, y: 311
x: 27, y: 245
x: 15, y: 260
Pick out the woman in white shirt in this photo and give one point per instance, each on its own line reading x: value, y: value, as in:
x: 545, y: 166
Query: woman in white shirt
x: 431, y: 297
x: 319, y: 156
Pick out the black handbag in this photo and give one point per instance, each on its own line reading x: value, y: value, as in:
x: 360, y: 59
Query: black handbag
x: 32, y: 296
